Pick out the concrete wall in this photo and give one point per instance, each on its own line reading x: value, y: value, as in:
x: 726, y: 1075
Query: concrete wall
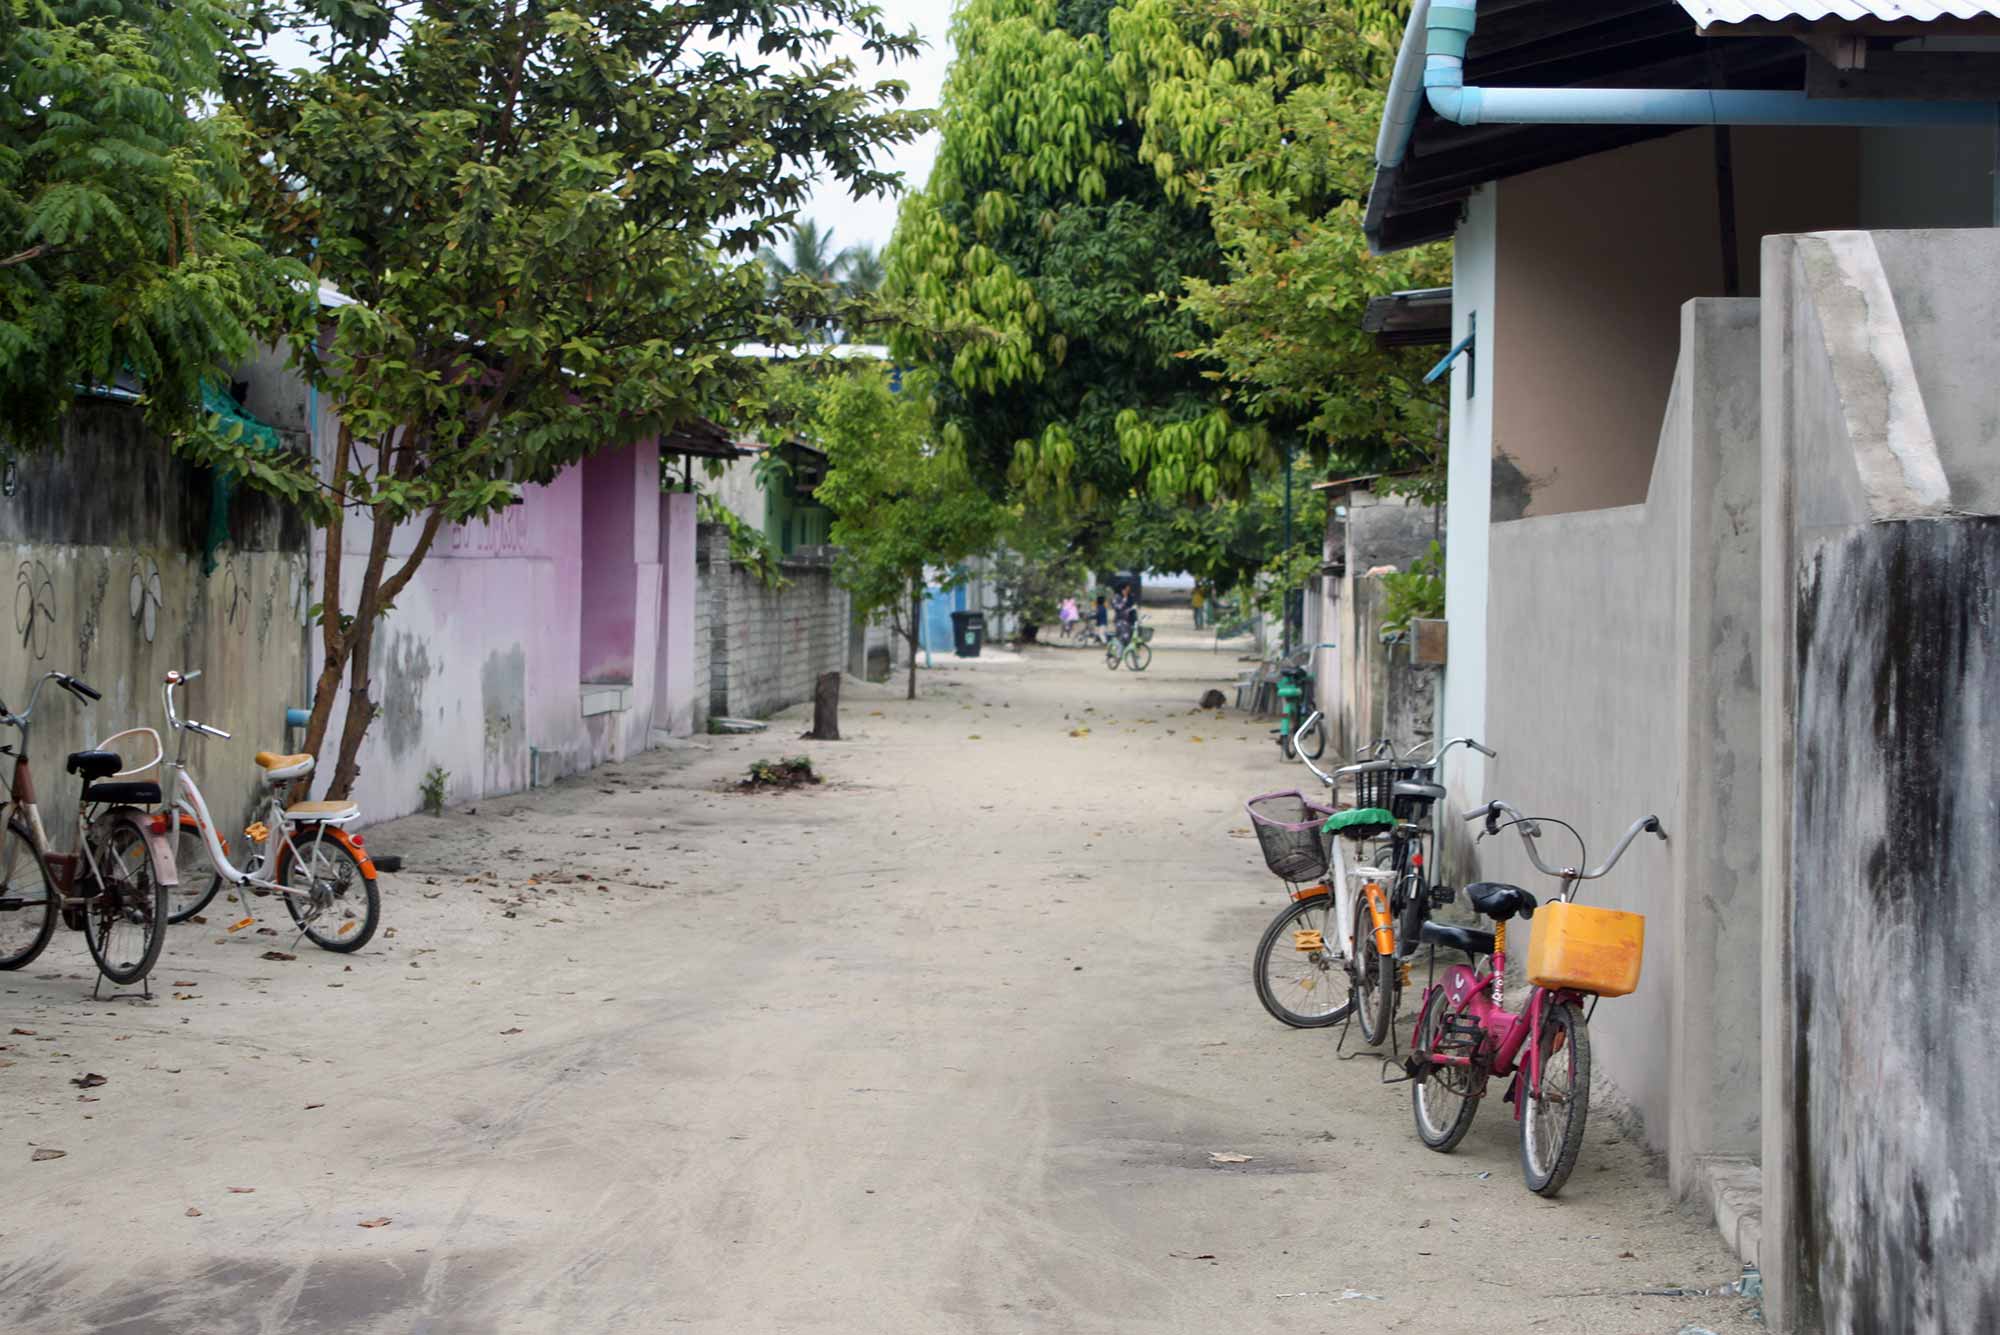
x: 102, y: 542
x: 1380, y: 692
x: 1621, y: 683
x: 1473, y: 488
x: 766, y: 647
x: 1881, y: 677
x: 1595, y: 257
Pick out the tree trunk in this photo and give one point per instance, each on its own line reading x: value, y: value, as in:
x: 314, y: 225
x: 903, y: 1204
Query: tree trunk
x: 826, y: 708
x: 916, y: 623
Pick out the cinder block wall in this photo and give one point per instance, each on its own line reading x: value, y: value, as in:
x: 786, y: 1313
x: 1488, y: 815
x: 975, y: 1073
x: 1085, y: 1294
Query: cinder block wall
x: 762, y: 648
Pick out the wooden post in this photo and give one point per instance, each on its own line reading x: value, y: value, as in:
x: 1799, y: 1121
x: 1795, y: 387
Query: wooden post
x: 826, y: 708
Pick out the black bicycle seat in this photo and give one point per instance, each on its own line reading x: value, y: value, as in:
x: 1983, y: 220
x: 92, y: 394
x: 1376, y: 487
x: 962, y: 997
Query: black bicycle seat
x: 1468, y: 939
x: 1500, y: 901
x: 1422, y: 792
x: 94, y: 764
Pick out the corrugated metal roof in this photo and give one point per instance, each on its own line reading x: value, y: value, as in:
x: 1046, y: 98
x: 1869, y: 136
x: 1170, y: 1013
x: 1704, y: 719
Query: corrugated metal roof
x: 1897, y: 11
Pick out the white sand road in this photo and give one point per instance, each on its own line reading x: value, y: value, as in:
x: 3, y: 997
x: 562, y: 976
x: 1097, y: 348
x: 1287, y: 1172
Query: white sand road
x: 944, y: 1045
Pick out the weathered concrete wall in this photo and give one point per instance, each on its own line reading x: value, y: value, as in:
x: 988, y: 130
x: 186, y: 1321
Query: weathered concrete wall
x: 102, y: 542
x: 767, y: 646
x: 1880, y: 686
x: 1379, y: 692
x: 1622, y: 682
x: 1896, y: 947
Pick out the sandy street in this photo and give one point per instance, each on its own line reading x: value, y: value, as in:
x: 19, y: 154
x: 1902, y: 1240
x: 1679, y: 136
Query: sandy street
x: 944, y: 1045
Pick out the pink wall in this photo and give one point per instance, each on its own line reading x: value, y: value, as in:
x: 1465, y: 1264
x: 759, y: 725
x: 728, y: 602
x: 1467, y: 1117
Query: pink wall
x: 479, y: 669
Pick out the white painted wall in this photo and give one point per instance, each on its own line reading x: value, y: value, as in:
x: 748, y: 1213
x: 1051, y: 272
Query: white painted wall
x: 1469, y: 507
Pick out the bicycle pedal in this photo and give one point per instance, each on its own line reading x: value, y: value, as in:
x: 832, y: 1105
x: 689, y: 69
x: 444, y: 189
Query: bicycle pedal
x: 1308, y: 940
x: 239, y: 926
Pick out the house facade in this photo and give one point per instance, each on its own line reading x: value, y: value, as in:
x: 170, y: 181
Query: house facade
x: 1721, y: 494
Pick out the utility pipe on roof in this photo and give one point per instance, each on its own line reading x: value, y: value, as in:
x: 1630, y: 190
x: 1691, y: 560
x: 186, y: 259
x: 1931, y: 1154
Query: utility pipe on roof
x: 1406, y: 91
x: 1448, y: 31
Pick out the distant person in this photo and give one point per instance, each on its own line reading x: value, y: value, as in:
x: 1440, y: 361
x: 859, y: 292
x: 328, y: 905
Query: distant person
x: 1068, y: 614
x: 1199, y: 600
x: 1126, y: 610
x: 1103, y: 617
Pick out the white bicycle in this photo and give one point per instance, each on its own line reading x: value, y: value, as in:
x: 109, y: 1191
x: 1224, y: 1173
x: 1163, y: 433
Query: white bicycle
x: 302, y: 852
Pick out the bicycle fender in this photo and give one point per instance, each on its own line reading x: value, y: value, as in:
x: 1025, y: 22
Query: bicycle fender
x: 161, y: 852
x: 344, y: 839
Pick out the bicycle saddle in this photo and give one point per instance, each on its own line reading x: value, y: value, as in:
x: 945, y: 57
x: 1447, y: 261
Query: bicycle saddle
x: 1500, y: 901
x: 1426, y: 792
x: 1468, y: 939
x: 93, y: 764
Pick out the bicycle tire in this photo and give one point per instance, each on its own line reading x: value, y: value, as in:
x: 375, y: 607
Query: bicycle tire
x: 1316, y: 740
x: 196, y: 889
x: 1374, y: 978
x: 363, y: 912
x: 20, y: 841
x: 1112, y: 655
x: 1285, y: 747
x: 1443, y: 1099
x: 1322, y: 972
x: 1546, y: 1167
x: 1140, y: 656
x: 137, y: 900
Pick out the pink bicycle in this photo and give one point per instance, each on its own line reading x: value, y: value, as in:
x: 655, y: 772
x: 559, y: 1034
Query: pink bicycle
x: 1465, y: 1034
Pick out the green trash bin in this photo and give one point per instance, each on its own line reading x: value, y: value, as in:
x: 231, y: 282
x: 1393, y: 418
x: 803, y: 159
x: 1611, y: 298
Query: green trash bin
x: 968, y: 633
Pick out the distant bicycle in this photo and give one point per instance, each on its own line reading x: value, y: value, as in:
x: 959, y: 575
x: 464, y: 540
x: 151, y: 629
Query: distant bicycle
x: 1135, y: 653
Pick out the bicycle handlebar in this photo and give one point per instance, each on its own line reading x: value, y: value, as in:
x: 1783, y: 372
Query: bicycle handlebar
x: 174, y: 720
x: 1531, y: 831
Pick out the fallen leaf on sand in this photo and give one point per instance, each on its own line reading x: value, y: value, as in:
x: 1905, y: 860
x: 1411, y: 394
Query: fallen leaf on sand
x: 278, y: 955
x: 375, y: 1223
x: 182, y: 982
x: 241, y: 1191
x: 89, y: 1080
x: 1627, y: 1256
x: 505, y: 1032
x: 1194, y: 739
x: 43, y: 1156
x: 1183, y: 1256
x: 1220, y: 1156
x: 193, y: 1213
x: 24, y: 1033
x: 311, y: 1106
x: 972, y: 737
x: 1079, y: 732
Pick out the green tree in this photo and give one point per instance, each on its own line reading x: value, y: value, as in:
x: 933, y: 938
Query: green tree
x: 546, y: 213
x: 1038, y: 266
x: 122, y: 243
x: 902, y: 504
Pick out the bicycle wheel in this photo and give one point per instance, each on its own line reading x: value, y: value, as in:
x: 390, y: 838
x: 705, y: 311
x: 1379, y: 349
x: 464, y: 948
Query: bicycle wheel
x: 1302, y: 987
x: 125, y: 920
x: 1285, y: 747
x: 1552, y: 1116
x: 1140, y: 656
x: 1374, y: 977
x: 1443, y: 1097
x: 1112, y: 654
x: 27, y: 898
x: 1315, y: 740
x: 195, y: 867
x: 340, y: 906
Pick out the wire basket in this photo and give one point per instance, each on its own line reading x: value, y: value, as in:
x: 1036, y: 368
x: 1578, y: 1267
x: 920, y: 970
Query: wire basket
x: 1288, y: 829
x: 1144, y: 635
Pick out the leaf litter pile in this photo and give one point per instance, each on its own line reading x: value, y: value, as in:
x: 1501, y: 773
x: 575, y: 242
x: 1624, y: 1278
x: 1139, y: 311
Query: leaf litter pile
x: 779, y: 776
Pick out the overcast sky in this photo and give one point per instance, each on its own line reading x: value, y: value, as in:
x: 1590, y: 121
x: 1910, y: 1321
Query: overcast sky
x: 873, y: 220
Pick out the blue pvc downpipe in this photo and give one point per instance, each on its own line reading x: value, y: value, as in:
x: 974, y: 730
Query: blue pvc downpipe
x: 1448, y: 32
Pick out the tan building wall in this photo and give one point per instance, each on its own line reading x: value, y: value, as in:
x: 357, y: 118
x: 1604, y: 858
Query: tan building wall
x: 1594, y: 260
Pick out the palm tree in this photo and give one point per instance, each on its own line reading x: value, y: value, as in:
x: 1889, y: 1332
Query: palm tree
x: 811, y: 256
x: 861, y: 269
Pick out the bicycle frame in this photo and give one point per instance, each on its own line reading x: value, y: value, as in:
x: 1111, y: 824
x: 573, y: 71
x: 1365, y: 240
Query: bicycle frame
x: 185, y: 801
x: 1479, y: 995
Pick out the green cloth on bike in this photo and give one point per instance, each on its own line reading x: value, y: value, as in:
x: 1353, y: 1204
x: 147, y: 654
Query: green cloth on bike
x: 1347, y: 820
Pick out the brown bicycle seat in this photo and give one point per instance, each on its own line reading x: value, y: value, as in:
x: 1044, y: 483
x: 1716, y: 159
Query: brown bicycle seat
x: 272, y: 760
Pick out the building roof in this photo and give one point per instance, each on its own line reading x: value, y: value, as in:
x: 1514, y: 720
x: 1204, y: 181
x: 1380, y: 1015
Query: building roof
x: 1559, y: 44
x: 1416, y: 318
x: 701, y: 438
x: 1708, y: 12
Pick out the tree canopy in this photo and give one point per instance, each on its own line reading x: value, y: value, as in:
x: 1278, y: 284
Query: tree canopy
x: 123, y: 249
x: 1138, y: 262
